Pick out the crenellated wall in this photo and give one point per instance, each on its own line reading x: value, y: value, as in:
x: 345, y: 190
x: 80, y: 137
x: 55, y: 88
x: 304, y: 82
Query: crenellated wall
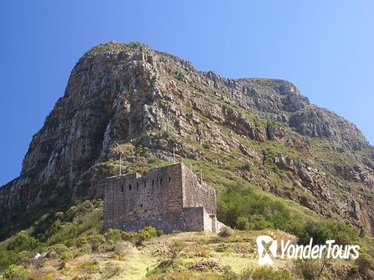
x: 168, y: 198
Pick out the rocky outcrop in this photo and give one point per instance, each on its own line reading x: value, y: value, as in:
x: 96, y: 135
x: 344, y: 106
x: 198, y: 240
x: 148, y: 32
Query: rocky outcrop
x: 317, y: 122
x: 129, y: 93
x: 311, y: 178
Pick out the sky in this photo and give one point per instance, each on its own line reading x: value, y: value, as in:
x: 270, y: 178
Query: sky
x: 326, y: 48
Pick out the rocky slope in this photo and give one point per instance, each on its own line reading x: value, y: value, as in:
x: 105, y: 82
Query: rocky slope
x: 262, y: 130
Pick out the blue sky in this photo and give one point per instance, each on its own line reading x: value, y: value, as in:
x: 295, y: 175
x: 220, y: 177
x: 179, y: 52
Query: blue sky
x: 326, y: 48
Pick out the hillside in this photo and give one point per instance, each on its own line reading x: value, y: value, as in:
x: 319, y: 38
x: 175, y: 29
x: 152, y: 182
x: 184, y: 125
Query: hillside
x: 276, y: 160
x: 74, y: 247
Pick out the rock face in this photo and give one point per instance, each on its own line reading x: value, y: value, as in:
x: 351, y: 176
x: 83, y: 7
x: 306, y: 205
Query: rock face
x: 129, y: 93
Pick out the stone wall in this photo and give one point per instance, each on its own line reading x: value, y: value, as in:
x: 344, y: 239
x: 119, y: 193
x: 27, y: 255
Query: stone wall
x: 133, y: 197
x: 196, y: 193
x: 189, y: 219
x: 168, y: 198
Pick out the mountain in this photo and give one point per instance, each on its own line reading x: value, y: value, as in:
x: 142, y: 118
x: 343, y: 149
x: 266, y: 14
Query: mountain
x: 147, y: 105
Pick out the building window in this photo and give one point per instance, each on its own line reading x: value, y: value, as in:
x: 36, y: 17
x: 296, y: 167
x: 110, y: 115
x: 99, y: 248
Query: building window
x: 169, y: 179
x: 137, y: 185
x: 161, y: 181
x: 121, y: 188
x: 130, y: 187
x: 145, y: 184
x: 153, y: 182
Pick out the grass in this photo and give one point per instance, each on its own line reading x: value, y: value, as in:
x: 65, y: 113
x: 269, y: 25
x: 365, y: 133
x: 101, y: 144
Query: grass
x: 117, y: 254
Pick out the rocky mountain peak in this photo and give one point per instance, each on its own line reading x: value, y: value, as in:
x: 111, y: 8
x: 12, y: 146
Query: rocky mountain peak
x: 132, y: 94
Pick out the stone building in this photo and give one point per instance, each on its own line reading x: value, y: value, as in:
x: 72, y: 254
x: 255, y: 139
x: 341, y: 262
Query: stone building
x: 168, y: 198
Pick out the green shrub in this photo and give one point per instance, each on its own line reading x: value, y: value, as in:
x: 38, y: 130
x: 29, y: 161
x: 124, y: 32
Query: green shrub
x: 343, y: 234
x: 58, y: 248
x: 242, y: 223
x: 82, y: 241
x: 259, y: 222
x: 225, y: 232
x: 68, y: 255
x: 86, y: 249
x: 7, y: 259
x: 240, y: 207
x: 311, y: 269
x: 70, y: 214
x: 224, y: 248
x: 89, y: 222
x: 23, y: 242
x: 95, y: 240
x: 25, y: 257
x: 147, y: 233
x: 265, y: 273
x: 16, y: 272
x: 206, y: 146
x: 90, y: 268
x: 128, y: 235
x: 113, y: 235
x: 318, y: 231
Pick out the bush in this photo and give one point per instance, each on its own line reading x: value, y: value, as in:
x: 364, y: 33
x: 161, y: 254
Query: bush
x: 66, y: 256
x: 84, y: 222
x: 89, y: 268
x: 265, y: 273
x: 147, y: 233
x: 128, y: 235
x: 259, y: 222
x: 16, y: 272
x: 318, y: 231
x: 23, y: 242
x: 25, y: 257
x: 7, y: 259
x: 321, y: 231
x: 310, y: 269
x: 242, y: 223
x: 59, y: 248
x: 86, y: 249
x: 95, y: 240
x: 241, y: 207
x: 59, y: 251
x: 206, y: 146
x: 225, y: 232
x: 113, y: 235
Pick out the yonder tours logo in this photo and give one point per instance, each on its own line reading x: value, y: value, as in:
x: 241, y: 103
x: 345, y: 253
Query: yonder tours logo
x: 268, y: 250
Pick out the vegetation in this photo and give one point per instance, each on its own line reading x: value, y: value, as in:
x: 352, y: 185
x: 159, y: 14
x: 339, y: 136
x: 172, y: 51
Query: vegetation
x: 70, y: 233
x: 16, y: 272
x: 364, y: 266
x: 243, y: 208
x: 64, y: 236
x: 74, y: 236
x: 265, y: 273
x: 225, y: 232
